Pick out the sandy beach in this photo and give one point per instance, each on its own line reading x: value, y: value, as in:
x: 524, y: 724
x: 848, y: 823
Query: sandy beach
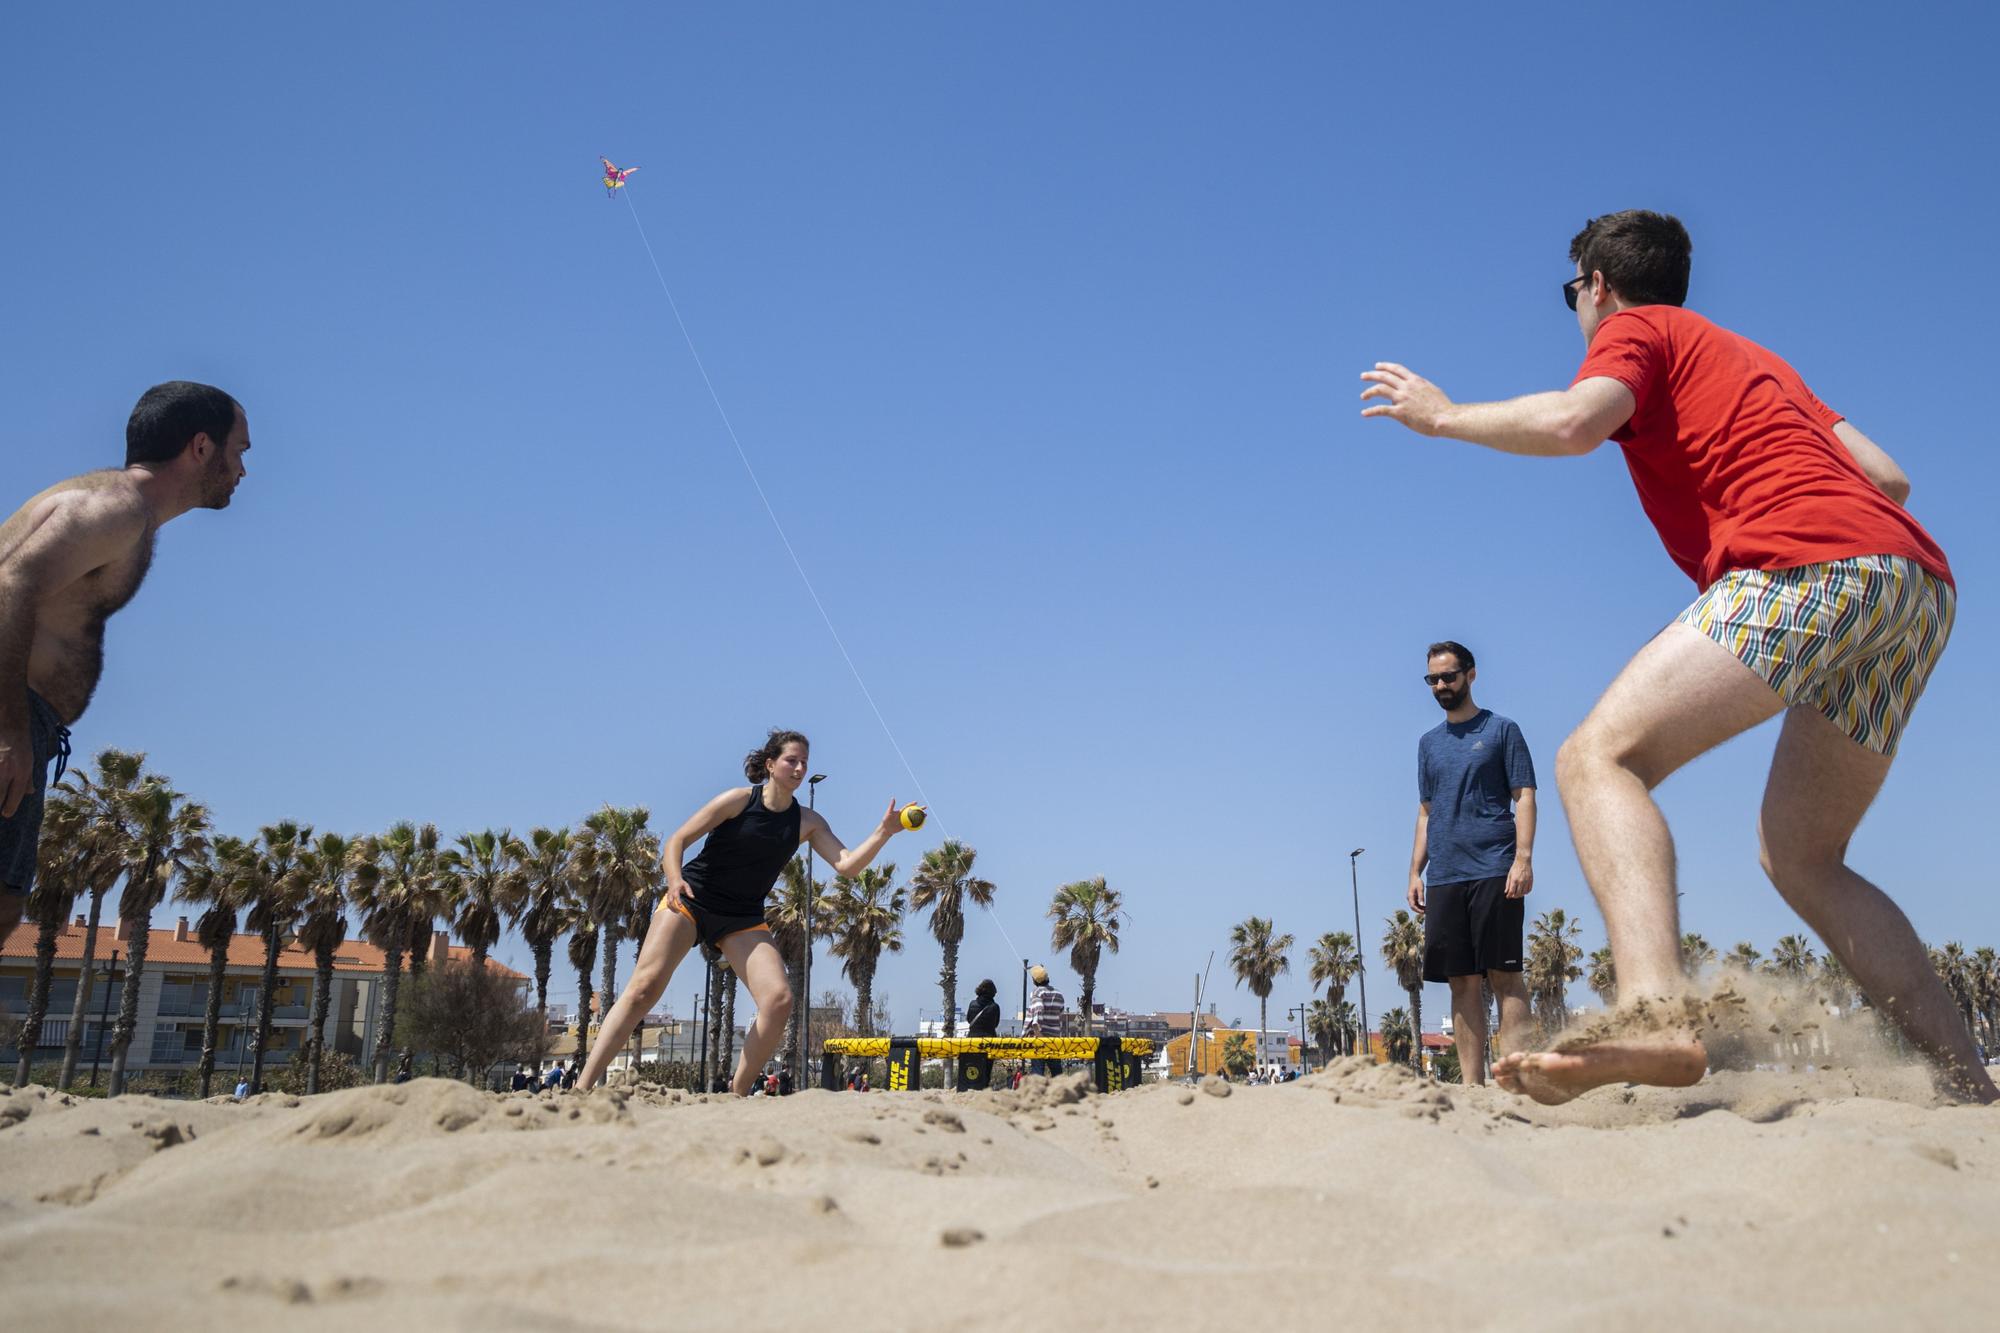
x: 1848, y: 1199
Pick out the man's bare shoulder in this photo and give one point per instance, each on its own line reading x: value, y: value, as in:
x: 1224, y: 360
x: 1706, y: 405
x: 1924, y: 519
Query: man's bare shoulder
x: 106, y: 506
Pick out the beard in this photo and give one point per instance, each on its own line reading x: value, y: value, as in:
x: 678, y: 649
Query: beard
x: 217, y: 485
x: 1449, y: 699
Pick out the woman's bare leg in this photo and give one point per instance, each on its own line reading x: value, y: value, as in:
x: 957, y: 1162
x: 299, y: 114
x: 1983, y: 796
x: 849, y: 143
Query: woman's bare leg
x: 668, y: 939
x: 757, y: 960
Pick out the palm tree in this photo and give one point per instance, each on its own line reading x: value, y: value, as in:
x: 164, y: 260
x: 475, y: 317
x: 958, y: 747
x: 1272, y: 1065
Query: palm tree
x: 1553, y: 962
x: 1403, y: 951
x: 1793, y: 957
x: 1087, y: 916
x: 617, y: 868
x: 1696, y: 954
x: 1348, y: 1024
x: 392, y: 887
x: 208, y: 882
x: 533, y: 894
x: 1257, y: 957
x: 167, y: 832
x: 1743, y: 958
x: 1323, y: 1023
x: 270, y: 878
x: 582, y: 957
x: 1603, y: 976
x: 1335, y: 960
x: 62, y: 870
x: 326, y: 869
x: 865, y: 922
x: 1954, y: 967
x: 104, y: 826
x: 470, y: 879
x: 1397, y: 1043
x: 943, y: 884
x: 423, y: 904
x: 1239, y: 1057
x: 1985, y: 975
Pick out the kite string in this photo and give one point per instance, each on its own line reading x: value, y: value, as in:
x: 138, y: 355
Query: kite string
x: 744, y: 457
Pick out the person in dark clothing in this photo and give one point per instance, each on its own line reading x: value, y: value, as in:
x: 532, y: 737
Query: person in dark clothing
x: 717, y: 899
x: 982, y: 1016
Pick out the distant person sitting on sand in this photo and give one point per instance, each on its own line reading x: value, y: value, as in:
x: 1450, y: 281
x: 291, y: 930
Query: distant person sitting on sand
x: 717, y: 898
x: 569, y: 1075
x: 520, y: 1079
x: 69, y: 558
x: 242, y: 1089
x: 1045, y: 1015
x: 1820, y: 598
x: 553, y: 1079
x: 982, y: 1016
x: 1473, y: 861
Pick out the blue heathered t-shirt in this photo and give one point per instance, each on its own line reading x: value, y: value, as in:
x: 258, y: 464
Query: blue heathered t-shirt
x: 1467, y: 772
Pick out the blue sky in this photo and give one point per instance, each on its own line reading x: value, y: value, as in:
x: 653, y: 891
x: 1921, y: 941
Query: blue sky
x: 1041, y: 324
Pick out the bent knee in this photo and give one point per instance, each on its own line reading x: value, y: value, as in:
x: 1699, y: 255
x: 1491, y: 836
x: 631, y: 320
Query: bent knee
x: 1794, y: 863
x: 778, y: 1003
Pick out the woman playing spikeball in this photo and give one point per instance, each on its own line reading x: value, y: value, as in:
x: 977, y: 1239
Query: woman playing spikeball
x: 718, y: 898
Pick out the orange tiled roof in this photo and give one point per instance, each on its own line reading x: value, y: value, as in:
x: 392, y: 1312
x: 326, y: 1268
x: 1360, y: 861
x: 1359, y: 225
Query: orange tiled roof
x: 163, y: 950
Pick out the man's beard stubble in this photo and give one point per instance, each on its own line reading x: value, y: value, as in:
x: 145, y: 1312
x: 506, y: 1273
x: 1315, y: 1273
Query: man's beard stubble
x: 1449, y: 699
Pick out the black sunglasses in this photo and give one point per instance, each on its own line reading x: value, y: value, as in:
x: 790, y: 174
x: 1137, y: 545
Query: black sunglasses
x: 1444, y: 677
x: 1573, y: 289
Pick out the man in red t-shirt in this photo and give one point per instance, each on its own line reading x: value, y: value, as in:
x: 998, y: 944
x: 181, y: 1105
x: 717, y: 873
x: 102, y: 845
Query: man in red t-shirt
x: 1820, y: 597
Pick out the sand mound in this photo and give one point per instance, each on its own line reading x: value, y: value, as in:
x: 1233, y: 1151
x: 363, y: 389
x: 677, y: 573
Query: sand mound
x: 1755, y: 1199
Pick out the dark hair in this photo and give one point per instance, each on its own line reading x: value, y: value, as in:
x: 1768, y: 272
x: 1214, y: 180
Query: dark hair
x: 1643, y: 256
x: 985, y: 988
x: 757, y: 764
x: 168, y: 416
x: 1458, y: 650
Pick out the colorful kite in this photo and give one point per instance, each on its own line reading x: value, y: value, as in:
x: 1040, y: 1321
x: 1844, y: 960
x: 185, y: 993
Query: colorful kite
x: 614, y: 177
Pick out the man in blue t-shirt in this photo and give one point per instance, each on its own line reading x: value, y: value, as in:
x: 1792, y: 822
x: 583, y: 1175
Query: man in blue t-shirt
x: 1474, y: 859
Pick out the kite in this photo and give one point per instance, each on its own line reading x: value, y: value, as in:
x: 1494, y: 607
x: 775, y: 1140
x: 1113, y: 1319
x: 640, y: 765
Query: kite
x: 614, y: 177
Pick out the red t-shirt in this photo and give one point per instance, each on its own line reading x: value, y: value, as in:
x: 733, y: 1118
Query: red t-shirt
x: 1735, y: 459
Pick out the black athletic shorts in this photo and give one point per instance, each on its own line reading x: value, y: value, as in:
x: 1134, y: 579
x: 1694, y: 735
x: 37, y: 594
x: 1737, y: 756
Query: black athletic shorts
x: 20, y: 837
x: 1471, y: 928
x: 712, y: 927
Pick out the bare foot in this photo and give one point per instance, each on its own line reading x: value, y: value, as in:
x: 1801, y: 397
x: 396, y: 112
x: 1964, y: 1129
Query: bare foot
x: 1553, y: 1077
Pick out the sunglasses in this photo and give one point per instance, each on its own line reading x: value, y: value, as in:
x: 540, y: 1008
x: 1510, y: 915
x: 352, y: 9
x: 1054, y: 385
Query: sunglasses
x: 1444, y: 677
x: 1573, y: 289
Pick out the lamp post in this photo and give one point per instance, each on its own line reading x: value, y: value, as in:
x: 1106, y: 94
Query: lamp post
x: 1300, y: 1014
x: 1360, y: 949
x: 110, y: 974
x: 806, y: 968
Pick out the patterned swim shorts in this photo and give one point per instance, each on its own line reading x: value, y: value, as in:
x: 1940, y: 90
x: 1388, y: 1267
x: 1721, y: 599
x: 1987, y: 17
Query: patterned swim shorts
x: 1854, y: 639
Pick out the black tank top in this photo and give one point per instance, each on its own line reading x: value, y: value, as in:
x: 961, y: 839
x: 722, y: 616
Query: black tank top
x: 735, y: 869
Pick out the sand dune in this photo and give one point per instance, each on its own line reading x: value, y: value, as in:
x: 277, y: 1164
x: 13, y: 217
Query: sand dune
x: 1361, y: 1197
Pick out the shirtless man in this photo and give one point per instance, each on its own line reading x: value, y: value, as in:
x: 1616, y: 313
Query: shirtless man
x: 1821, y: 599
x: 71, y: 557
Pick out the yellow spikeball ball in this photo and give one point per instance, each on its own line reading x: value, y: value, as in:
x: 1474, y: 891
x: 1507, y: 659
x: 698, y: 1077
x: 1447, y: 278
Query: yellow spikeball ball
x: 913, y: 816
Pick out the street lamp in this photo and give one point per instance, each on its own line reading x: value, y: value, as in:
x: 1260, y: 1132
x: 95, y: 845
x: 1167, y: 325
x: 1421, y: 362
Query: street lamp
x: 806, y: 968
x: 110, y: 974
x: 1300, y: 1014
x: 1360, y: 950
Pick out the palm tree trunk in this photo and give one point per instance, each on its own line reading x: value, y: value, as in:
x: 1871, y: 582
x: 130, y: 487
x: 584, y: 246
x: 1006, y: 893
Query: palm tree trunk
x: 948, y: 980
x: 544, y: 961
x: 608, y: 943
x: 712, y: 1039
x: 322, y: 1001
x: 1263, y: 1022
x: 419, y: 961
x: 1417, y: 1027
x: 583, y: 998
x: 864, y: 1000
x: 1089, y: 996
x: 38, y: 999
x: 211, y: 1019
x: 385, y: 1036
x: 138, y: 934
x: 73, y: 1043
x: 794, y: 1026
x: 270, y: 984
x: 729, y: 1025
